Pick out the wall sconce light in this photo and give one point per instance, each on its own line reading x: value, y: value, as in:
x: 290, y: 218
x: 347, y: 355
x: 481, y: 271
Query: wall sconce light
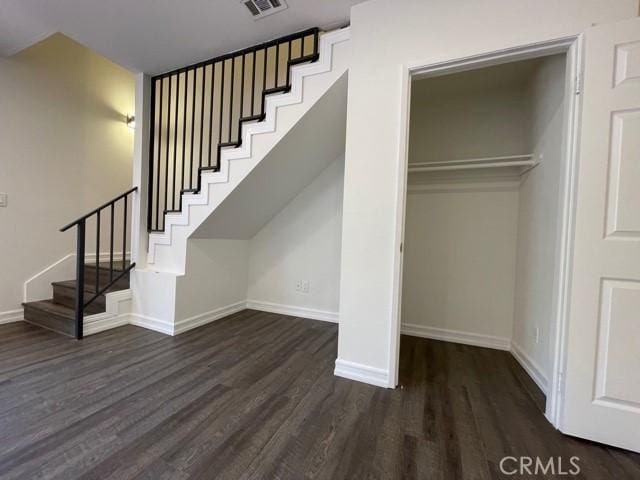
x: 131, y: 121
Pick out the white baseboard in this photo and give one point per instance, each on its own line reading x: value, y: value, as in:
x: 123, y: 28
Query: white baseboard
x: 362, y: 373
x: 182, y: 326
x: 155, y: 324
x: 313, y: 314
x: 104, y: 321
x: 117, y: 313
x: 476, y: 339
x: 190, y: 323
x: 11, y: 316
x: 530, y: 366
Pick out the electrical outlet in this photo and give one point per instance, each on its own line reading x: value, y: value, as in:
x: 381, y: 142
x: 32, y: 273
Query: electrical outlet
x: 4, y: 198
x: 305, y: 286
x: 299, y: 286
x: 537, y: 334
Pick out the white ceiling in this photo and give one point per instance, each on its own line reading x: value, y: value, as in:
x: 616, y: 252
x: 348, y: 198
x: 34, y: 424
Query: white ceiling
x: 154, y: 36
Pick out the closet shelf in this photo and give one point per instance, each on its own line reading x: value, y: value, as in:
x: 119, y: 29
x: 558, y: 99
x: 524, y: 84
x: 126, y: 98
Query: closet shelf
x: 510, y: 167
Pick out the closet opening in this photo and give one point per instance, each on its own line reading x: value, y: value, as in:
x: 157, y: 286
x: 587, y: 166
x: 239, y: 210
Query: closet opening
x: 483, y: 231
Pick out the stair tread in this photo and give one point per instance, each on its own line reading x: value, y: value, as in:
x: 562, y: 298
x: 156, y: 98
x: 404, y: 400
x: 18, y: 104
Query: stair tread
x: 51, y: 316
x: 70, y: 284
x: 87, y: 288
x: 284, y: 88
x: 49, y: 306
x: 252, y: 118
x: 117, y: 265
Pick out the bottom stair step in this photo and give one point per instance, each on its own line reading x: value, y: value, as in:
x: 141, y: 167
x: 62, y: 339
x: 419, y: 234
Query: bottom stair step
x: 50, y: 315
x: 64, y: 293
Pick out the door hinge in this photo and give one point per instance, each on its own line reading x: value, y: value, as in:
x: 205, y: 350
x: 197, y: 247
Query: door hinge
x: 401, y: 244
x: 560, y: 382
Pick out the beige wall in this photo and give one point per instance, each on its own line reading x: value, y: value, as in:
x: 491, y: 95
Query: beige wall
x: 64, y: 148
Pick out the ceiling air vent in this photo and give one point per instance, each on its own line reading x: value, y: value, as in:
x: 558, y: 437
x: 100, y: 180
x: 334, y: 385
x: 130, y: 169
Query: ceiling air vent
x: 262, y: 8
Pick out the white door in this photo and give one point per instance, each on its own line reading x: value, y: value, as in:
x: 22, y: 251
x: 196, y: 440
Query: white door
x: 602, y: 376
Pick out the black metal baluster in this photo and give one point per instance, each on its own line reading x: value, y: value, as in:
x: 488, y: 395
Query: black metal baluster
x: 124, y: 236
x: 242, y: 93
x: 110, y: 247
x: 276, y: 79
x: 184, y: 133
x: 157, y: 205
x: 151, y: 155
x: 79, y: 306
x: 204, y: 78
x: 213, y: 81
x: 97, y: 250
x: 288, y: 79
x: 253, y: 83
x: 80, y: 287
x: 157, y: 163
x: 166, y: 170
x: 193, y: 127
x: 222, y: 79
x: 174, y: 180
x: 264, y: 82
x: 316, y: 36
x: 233, y: 81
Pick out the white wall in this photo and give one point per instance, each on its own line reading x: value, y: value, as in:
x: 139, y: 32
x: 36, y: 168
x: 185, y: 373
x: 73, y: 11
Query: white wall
x: 64, y: 149
x: 469, y: 115
x: 384, y: 37
x: 459, y: 267
x: 460, y: 244
x: 538, y: 219
x: 302, y: 242
x: 216, y: 277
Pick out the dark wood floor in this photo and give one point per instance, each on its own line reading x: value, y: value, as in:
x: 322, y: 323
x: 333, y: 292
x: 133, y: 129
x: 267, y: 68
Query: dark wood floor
x: 253, y: 396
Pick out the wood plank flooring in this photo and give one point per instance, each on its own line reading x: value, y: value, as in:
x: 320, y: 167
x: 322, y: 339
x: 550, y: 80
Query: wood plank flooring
x: 253, y: 396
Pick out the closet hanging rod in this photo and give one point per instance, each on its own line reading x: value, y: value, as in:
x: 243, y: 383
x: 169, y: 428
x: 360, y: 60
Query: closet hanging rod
x: 522, y: 163
x: 468, y: 162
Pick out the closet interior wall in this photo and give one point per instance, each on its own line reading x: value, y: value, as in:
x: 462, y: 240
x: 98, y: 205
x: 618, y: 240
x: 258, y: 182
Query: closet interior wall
x: 480, y: 244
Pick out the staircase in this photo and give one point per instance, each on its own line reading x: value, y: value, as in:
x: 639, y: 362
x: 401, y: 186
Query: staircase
x: 184, y: 192
x: 211, y: 124
x: 87, y: 293
x: 59, y: 314
x: 200, y: 110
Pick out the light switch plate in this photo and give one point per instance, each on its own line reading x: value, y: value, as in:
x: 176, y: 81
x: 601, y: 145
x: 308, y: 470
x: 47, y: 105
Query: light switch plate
x: 4, y: 198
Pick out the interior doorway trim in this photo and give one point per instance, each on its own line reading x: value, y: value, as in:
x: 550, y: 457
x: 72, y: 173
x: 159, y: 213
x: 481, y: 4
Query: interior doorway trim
x: 571, y: 46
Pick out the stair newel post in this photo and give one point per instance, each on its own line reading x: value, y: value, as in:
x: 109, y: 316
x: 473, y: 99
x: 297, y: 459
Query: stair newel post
x: 80, y: 278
